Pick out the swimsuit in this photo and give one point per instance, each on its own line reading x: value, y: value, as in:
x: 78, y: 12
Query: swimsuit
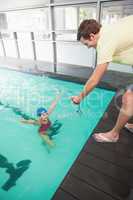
x: 44, y: 127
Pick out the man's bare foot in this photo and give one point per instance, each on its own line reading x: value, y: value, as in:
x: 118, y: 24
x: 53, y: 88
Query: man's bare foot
x: 110, y: 136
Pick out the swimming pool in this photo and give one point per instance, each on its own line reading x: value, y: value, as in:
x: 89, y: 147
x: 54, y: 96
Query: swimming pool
x: 28, y: 168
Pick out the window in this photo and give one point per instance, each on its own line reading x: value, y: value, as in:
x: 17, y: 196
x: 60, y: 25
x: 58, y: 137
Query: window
x: 27, y: 20
x: 88, y: 12
x: 67, y: 20
x: 113, y: 11
x: 24, y: 22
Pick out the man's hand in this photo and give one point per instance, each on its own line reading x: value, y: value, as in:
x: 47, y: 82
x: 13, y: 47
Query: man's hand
x: 91, y: 83
x: 76, y: 99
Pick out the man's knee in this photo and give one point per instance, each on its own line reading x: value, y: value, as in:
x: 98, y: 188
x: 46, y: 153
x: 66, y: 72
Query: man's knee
x: 127, y: 98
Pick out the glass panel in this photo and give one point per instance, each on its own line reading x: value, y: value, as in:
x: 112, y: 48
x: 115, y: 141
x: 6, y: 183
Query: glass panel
x: 70, y: 53
x: 44, y: 51
x: 25, y: 46
x: 26, y: 20
x: 67, y: 20
x: 23, y: 22
x: 113, y: 11
x: 87, y: 12
x: 9, y: 44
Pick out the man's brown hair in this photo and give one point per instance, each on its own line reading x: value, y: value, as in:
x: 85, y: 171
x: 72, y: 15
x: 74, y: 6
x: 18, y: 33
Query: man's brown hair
x: 87, y: 27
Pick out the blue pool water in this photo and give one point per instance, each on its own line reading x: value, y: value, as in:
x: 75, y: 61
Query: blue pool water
x: 28, y: 168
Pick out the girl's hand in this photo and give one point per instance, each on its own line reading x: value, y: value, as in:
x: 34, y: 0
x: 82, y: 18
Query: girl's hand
x: 76, y: 99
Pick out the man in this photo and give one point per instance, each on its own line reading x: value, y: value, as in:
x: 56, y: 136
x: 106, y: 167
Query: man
x: 113, y: 43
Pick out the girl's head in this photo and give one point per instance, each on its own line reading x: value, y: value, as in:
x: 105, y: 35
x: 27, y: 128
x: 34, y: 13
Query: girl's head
x: 42, y: 113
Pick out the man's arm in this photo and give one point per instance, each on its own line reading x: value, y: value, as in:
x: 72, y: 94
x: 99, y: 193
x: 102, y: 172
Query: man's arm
x: 92, y: 82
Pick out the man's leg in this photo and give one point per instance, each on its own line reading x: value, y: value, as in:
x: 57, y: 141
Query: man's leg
x: 125, y: 114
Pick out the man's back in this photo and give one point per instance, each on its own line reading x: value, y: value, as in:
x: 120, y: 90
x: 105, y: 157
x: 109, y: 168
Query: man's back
x: 116, y: 42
